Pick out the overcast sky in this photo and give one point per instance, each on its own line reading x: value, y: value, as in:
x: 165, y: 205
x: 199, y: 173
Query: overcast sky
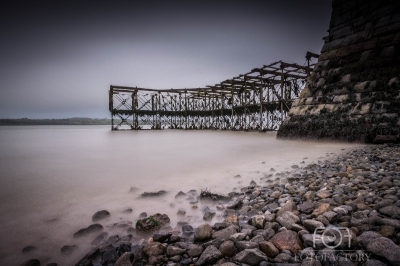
x: 58, y: 58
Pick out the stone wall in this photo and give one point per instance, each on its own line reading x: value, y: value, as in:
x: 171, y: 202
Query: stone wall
x: 354, y: 92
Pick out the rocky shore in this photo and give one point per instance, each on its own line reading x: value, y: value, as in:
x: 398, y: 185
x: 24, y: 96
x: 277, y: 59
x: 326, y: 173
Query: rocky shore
x: 342, y: 211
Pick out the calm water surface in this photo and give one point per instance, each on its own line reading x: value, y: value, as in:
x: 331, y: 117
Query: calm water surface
x: 54, y: 178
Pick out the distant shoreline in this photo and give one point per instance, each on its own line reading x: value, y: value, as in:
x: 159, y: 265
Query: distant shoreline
x: 65, y: 121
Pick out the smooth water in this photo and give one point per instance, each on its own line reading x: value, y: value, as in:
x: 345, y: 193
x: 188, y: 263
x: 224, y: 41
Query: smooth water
x: 54, y: 178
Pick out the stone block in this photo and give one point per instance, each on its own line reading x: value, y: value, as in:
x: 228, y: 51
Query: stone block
x: 361, y: 109
x: 343, y: 51
x: 367, y: 45
x: 344, y: 31
x: 328, y: 55
x: 346, y: 78
x: 361, y: 86
x: 340, y: 98
x: 383, y: 21
x: 396, y: 38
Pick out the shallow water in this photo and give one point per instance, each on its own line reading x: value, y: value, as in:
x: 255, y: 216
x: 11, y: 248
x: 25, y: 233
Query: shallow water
x: 54, y: 178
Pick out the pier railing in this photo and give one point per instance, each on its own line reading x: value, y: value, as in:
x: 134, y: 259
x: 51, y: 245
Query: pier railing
x: 257, y: 100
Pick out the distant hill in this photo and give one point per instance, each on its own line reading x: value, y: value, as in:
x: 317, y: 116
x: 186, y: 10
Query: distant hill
x: 65, y: 121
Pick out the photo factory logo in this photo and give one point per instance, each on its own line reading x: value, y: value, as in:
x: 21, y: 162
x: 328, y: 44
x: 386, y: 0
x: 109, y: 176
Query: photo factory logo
x: 333, y: 244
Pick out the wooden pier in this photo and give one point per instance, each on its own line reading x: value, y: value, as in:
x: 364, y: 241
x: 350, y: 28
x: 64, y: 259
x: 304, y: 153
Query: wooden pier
x: 258, y: 100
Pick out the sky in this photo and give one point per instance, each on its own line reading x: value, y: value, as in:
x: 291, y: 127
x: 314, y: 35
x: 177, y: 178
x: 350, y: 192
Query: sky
x: 58, y: 58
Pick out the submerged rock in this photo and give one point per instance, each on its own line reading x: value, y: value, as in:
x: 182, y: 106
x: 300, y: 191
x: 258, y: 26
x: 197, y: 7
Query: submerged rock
x: 100, y: 215
x: 94, y: 228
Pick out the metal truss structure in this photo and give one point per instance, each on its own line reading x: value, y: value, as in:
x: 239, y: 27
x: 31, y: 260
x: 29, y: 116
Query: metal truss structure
x: 257, y: 100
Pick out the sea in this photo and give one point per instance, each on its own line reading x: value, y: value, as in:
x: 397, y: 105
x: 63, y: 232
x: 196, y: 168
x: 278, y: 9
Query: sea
x: 54, y: 178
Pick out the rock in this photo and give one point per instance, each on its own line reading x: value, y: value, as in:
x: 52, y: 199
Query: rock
x: 234, y: 204
x: 312, y: 225
x: 288, y: 240
x: 68, y: 249
x: 268, y: 248
x: 124, y: 260
x: 321, y: 209
x: 28, y: 249
x: 242, y: 245
x: 195, y: 251
x: 31, y: 262
x: 210, y: 255
x: 276, y: 194
x: 152, y: 222
x: 202, y: 233
x: 187, y: 229
x: 309, y: 195
x: 367, y: 236
x: 111, y: 255
x: 161, y: 237
x: 384, y: 247
x: 127, y: 210
x: 323, y: 194
x: 251, y: 257
x: 390, y: 211
x: 237, y: 237
x: 94, y: 228
x: 100, y: 215
x: 385, y: 183
x: 143, y: 215
x: 360, y: 221
x: 154, y: 249
x: 173, y: 251
x: 153, y: 193
x: 387, y: 231
x: 181, y: 212
x: 180, y: 195
x: 330, y: 216
x: 287, y: 219
x: 372, y: 262
x: 306, y: 207
x: 288, y: 206
x: 227, y: 248
x: 225, y: 234
x: 258, y: 221
x: 208, y: 216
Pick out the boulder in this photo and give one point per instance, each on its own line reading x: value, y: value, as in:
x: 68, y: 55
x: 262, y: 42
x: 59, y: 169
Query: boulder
x: 195, y: 251
x: 152, y: 222
x: 324, y: 207
x: 226, y: 233
x: 203, y: 232
x: 242, y: 245
x: 390, y: 211
x: 367, y: 236
x: 210, y: 255
x: 227, y: 248
x: 161, y: 237
x: 288, y: 206
x: 154, y: 249
x: 312, y: 225
x: 124, y: 260
x: 100, y: 215
x: 258, y: 221
x: 306, y: 207
x: 68, y: 249
x: 287, y: 219
x: 384, y: 247
x: 251, y: 256
x: 173, y: 251
x: 94, y: 228
x: 287, y: 240
x: 268, y: 248
x: 31, y: 262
